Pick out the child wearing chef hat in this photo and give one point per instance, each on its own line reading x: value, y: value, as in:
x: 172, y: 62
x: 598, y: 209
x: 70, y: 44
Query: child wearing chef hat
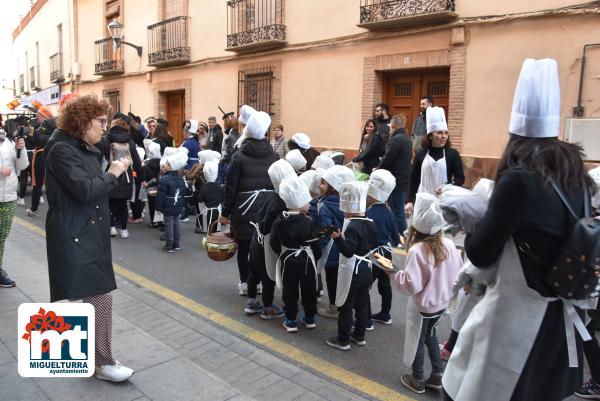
x: 330, y: 215
x: 432, y: 265
x: 296, y: 267
x: 210, y: 195
x: 381, y: 185
x: 170, y: 199
x: 356, y: 242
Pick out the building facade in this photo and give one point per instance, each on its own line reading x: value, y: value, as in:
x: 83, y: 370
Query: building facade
x: 319, y: 66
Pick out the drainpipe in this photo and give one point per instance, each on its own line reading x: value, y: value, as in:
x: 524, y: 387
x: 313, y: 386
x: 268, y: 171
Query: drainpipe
x: 578, y: 111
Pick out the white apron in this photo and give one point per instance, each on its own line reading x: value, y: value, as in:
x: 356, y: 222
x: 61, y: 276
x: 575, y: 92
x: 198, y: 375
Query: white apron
x: 203, y: 214
x: 497, y: 337
x: 347, y: 268
x: 433, y: 174
x: 280, y: 269
x: 271, y: 257
x: 414, y: 325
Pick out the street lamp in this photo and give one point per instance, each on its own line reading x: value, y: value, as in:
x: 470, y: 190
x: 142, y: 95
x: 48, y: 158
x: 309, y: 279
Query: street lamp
x: 116, y: 30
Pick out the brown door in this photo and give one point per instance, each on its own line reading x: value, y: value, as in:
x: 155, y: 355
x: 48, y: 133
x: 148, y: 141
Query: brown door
x: 176, y: 114
x: 403, y: 92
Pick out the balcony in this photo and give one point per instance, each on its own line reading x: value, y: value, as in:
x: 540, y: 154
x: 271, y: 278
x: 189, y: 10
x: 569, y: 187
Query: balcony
x: 56, y: 69
x: 254, y: 25
x: 109, y: 61
x: 392, y: 14
x: 168, y: 42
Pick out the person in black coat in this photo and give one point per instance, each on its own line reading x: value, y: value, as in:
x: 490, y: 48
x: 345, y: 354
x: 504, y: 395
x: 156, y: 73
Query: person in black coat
x: 398, y: 153
x: 78, y: 221
x: 38, y: 164
x: 247, y: 189
x: 119, y: 141
x: 214, y: 136
x: 371, y: 148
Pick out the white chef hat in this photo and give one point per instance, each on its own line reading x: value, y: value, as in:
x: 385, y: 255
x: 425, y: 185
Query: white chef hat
x: 536, y: 105
x: 436, y: 119
x: 381, y: 184
x: 208, y: 155
x: 302, y: 140
x: 153, y: 150
x: 295, y: 158
x: 191, y: 126
x: 279, y: 171
x: 177, y: 160
x: 183, y: 149
x: 353, y: 197
x: 210, y: 170
x: 484, y: 187
x: 322, y: 161
x: 337, y: 175
x: 245, y: 113
x: 258, y: 124
x: 294, y: 193
x: 337, y: 157
x: 312, y: 180
x: 170, y: 151
x: 427, y: 215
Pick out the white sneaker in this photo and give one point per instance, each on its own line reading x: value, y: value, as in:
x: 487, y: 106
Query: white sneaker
x: 41, y: 200
x: 21, y: 202
x: 113, y: 373
x: 259, y: 288
x: 243, y: 288
x: 124, y: 234
x: 113, y: 232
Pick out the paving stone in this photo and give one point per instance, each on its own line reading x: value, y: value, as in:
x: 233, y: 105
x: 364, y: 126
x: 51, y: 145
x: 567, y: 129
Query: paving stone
x: 138, y: 350
x: 180, y: 379
x: 17, y: 388
x: 270, y: 379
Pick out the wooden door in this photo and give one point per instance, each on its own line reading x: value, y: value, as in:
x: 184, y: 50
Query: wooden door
x: 403, y: 92
x: 176, y: 114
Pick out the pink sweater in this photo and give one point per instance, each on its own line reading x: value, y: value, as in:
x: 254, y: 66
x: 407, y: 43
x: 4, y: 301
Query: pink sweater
x: 431, y: 287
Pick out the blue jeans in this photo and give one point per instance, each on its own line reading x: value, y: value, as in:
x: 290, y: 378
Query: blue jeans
x: 429, y: 338
x: 396, y: 202
x: 172, y: 231
x: 222, y: 172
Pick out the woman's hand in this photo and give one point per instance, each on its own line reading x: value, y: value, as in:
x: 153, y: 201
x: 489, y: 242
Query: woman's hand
x: 224, y: 220
x: 5, y: 171
x: 20, y: 144
x: 118, y: 167
x: 336, y: 234
x: 408, y: 209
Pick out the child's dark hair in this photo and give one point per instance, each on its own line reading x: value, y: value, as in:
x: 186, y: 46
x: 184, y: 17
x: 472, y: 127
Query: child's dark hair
x: 432, y: 242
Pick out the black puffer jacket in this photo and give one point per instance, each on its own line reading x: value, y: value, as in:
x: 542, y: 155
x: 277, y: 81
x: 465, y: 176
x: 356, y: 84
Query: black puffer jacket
x: 78, y: 219
x: 397, y: 157
x: 248, y: 172
x: 125, y: 188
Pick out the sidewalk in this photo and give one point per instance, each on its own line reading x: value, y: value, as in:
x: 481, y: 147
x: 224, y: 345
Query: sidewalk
x: 176, y: 355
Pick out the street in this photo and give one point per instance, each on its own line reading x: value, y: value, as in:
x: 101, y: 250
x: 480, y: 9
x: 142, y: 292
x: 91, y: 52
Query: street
x: 204, y: 291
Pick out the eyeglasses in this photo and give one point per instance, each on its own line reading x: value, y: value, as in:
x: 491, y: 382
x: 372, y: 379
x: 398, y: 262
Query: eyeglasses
x: 102, y: 121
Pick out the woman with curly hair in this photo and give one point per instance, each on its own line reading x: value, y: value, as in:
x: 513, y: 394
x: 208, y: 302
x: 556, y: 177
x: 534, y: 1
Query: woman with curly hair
x: 78, y: 220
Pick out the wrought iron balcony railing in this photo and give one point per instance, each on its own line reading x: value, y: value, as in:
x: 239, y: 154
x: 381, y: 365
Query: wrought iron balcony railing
x: 390, y: 14
x: 168, y: 42
x: 108, y: 59
x: 56, y: 68
x: 255, y: 25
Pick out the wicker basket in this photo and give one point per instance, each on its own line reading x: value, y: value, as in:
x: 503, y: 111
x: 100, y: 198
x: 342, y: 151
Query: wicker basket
x: 220, y: 246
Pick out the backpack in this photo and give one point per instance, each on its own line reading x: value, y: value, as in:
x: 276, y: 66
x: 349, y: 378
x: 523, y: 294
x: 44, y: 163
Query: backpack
x: 575, y: 275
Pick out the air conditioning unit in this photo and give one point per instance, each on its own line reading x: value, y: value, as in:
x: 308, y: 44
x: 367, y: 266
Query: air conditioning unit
x: 586, y: 132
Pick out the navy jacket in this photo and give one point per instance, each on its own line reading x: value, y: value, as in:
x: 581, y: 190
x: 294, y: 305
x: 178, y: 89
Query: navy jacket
x: 387, y: 229
x: 171, y: 194
x: 331, y: 215
x: 193, y: 147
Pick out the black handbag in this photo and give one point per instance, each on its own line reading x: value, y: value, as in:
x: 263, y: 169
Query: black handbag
x: 575, y: 275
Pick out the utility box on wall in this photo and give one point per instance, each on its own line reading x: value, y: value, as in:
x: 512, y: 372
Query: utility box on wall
x: 585, y: 131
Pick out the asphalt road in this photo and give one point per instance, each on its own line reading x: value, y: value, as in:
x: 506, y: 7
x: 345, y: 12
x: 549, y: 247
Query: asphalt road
x: 214, y: 284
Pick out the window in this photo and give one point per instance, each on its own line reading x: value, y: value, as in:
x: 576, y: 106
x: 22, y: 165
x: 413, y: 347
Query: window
x: 404, y: 89
x: 37, y: 63
x: 113, y: 96
x: 173, y: 8
x: 437, y: 88
x: 255, y: 88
